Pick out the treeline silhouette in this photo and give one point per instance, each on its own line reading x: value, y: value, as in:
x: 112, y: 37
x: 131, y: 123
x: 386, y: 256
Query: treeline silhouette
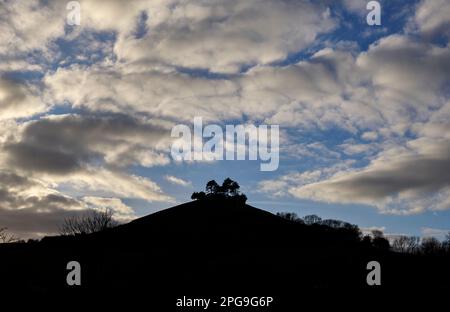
x: 398, y: 243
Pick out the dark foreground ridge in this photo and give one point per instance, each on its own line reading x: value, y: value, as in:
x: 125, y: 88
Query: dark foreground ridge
x: 212, y: 246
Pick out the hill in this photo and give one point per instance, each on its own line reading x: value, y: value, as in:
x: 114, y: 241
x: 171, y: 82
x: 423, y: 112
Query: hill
x: 211, y: 246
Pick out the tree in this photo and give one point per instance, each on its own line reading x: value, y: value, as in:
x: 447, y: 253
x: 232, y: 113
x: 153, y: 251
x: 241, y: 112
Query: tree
x: 240, y: 198
x: 366, y: 241
x: 198, y: 195
x: 446, y: 243
x: 312, y: 219
x: 377, y: 234
x: 212, y: 187
x: 6, y: 237
x: 90, y: 222
x: 406, y: 244
x: 291, y: 216
x: 379, y: 241
x: 230, y: 187
x: 431, y: 246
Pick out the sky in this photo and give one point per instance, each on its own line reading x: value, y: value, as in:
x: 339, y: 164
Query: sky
x: 86, y: 111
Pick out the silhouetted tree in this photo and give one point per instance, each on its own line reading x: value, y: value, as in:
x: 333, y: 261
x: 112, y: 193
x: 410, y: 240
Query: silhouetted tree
x: 291, y: 216
x: 198, y: 195
x: 406, y: 244
x: 312, y: 219
x: 6, y: 237
x: 379, y: 241
x: 240, y: 198
x: 446, y: 243
x: 230, y: 187
x: 431, y: 246
x: 367, y: 241
x: 212, y: 187
x: 91, y: 222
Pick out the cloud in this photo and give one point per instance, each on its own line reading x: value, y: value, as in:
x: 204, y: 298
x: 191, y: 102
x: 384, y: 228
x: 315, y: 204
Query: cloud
x: 316, y: 150
x: 432, y: 232
x: 356, y: 6
x: 30, y: 206
x: 369, y: 230
x: 152, y: 93
x: 398, y: 85
x: 19, y: 99
x: 66, y: 163
x: 352, y: 148
x: 68, y: 143
x: 370, y: 136
x: 30, y: 25
x: 121, y: 212
x: 177, y: 181
x: 397, y: 82
x: 109, y: 183
x: 433, y: 17
x: 284, y: 184
x: 20, y: 192
x: 225, y: 35
x: 220, y: 35
x: 399, y: 181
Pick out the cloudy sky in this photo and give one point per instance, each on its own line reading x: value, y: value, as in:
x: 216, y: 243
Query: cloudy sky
x: 86, y: 110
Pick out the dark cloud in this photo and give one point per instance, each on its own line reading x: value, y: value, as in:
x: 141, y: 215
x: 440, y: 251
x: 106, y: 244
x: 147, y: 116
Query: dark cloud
x: 422, y: 175
x: 16, y: 192
x: 27, y: 207
x: 396, y: 182
x: 29, y: 222
x: 66, y: 144
x: 18, y: 99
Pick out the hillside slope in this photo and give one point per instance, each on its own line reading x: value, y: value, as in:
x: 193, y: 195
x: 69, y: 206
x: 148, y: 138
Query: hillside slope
x: 210, y: 246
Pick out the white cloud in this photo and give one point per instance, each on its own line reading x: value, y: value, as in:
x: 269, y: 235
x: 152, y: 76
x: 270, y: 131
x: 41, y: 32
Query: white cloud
x: 177, y: 181
x: 353, y: 148
x: 283, y: 185
x: 356, y: 6
x: 224, y: 35
x: 106, y: 183
x: 121, y: 212
x: 369, y: 230
x: 433, y: 16
x: 370, y: 136
x: 29, y: 25
x: 432, y: 232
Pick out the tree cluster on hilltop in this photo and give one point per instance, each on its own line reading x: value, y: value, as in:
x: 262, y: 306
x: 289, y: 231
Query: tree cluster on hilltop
x: 229, y: 190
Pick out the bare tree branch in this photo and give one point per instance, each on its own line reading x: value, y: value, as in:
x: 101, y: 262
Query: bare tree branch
x: 91, y: 222
x: 6, y: 237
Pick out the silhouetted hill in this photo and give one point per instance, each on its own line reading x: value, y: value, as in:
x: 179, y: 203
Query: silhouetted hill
x: 202, y: 222
x: 211, y: 246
